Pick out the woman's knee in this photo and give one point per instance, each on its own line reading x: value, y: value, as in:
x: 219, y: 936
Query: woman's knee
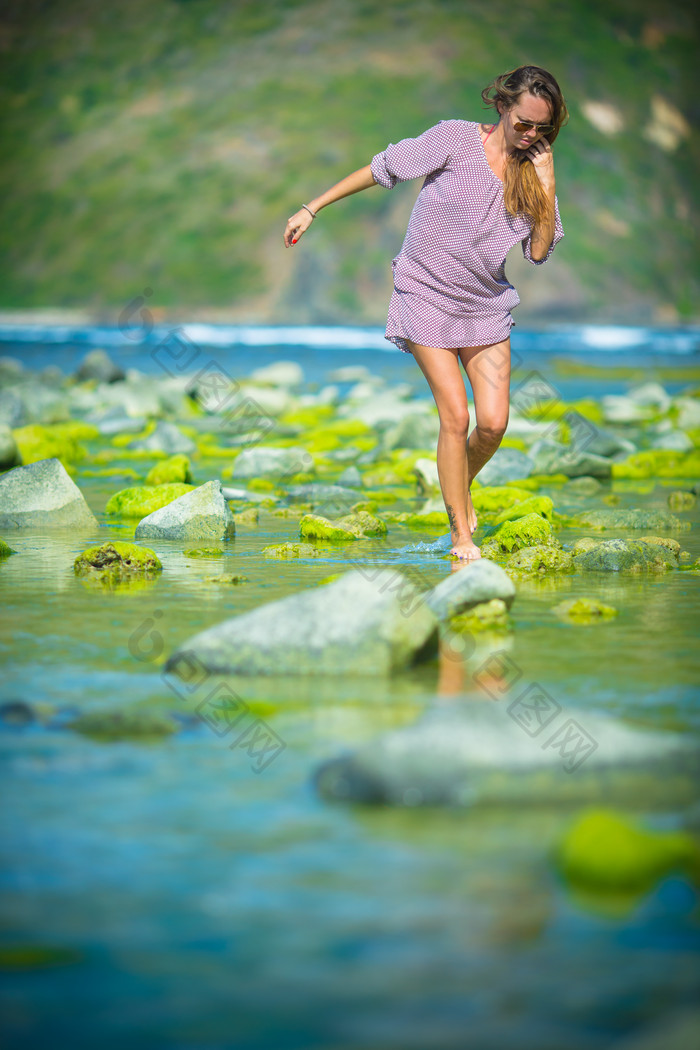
x: 493, y: 428
x: 454, y: 420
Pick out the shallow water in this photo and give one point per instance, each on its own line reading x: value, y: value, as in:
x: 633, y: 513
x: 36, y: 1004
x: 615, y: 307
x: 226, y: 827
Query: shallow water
x: 173, y: 897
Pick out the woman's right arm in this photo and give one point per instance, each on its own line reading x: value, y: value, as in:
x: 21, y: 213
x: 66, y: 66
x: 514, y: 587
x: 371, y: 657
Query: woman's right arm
x: 299, y: 223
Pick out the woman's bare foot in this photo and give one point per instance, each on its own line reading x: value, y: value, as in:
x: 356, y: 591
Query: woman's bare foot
x: 471, y: 513
x: 466, y: 550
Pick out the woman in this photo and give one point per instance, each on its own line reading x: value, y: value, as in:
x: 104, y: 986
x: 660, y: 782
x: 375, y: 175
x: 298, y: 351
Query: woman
x: 487, y: 187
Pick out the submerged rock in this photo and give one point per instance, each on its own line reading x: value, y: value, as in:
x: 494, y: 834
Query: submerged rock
x: 538, y: 560
x: 605, y: 851
x: 627, y: 556
x: 120, y: 724
x: 291, y: 550
x: 635, y: 518
x: 43, y: 496
x: 366, y: 622
x: 5, y: 550
x: 529, y: 531
x: 584, y: 610
x: 202, y: 513
x: 488, y: 753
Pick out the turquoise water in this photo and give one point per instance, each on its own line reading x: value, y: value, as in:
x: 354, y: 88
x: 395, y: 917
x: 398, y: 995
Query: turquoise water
x: 164, y: 894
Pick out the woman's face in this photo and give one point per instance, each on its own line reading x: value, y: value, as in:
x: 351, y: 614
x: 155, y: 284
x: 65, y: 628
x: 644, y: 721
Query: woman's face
x: 531, y: 109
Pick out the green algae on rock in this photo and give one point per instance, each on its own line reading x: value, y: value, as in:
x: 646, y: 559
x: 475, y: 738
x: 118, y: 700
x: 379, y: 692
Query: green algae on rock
x: 229, y: 578
x: 486, y: 616
x: 204, y: 552
x: 249, y: 516
x: 493, y: 499
x: 529, y: 531
x: 680, y: 500
x: 6, y: 550
x: 541, y: 505
x: 634, y: 518
x: 201, y: 513
x: 659, y: 463
x: 626, y: 556
x: 538, y: 560
x: 585, y: 610
x: 117, y: 560
x: 138, y: 501
x: 175, y: 469
x: 291, y: 550
x: 124, y: 724
x: 605, y: 851
x: 316, y: 527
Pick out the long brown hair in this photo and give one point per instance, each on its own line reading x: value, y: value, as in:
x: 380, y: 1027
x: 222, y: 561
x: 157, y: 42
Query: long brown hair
x: 522, y: 190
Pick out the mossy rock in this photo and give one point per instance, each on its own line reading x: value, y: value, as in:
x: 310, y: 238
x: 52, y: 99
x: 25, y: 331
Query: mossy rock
x: 129, y: 724
x: 229, y: 578
x: 659, y: 463
x: 585, y: 543
x: 436, y: 519
x: 585, y: 610
x: 122, y: 440
x: 290, y: 550
x: 496, y: 498
x: 204, y: 552
x: 58, y: 441
x: 605, y: 851
x: 6, y: 550
x: 139, y: 501
x: 661, y: 541
x: 626, y: 556
x: 117, y: 559
x: 175, y: 468
x: 315, y: 527
x: 111, y: 472
x: 541, y: 505
x: 532, y: 530
x: 680, y: 500
x: 250, y: 516
x: 362, y: 524
x: 540, y: 560
x: 486, y: 616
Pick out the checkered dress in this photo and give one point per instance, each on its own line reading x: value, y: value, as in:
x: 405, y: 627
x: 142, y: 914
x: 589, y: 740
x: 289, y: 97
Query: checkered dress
x: 450, y: 286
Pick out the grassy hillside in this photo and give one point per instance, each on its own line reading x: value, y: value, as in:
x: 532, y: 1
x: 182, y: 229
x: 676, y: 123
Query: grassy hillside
x: 163, y: 144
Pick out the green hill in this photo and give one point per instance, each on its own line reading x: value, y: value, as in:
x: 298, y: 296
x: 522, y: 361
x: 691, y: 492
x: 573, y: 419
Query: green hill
x: 164, y: 143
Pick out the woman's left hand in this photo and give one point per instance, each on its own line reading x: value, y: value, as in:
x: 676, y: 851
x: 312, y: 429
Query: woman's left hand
x: 540, y: 153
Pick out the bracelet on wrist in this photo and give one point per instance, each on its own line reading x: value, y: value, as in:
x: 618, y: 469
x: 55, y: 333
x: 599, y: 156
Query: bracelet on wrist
x: 312, y: 213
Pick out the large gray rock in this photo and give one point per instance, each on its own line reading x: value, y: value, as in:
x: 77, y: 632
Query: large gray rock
x: 279, y: 373
x: 9, y: 453
x: 413, y: 431
x: 166, y: 437
x: 43, y: 496
x: 202, y: 514
x: 553, y: 458
x: 370, y: 622
x: 260, y: 461
x: 506, y: 464
x: 527, y: 752
x: 625, y: 556
x: 470, y: 585
x: 97, y: 364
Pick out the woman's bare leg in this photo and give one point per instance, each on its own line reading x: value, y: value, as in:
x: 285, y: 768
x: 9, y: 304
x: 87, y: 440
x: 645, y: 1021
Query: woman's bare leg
x: 488, y: 370
x: 441, y: 369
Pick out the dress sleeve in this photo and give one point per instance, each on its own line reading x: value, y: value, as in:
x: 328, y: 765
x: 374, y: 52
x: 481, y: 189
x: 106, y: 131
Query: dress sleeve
x: 558, y: 234
x: 411, y: 158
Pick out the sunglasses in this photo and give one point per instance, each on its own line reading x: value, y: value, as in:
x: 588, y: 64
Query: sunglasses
x: 526, y: 125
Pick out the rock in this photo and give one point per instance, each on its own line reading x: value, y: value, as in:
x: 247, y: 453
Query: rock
x: 365, y: 623
x: 626, y: 556
x: 486, y: 616
x: 413, y: 431
x: 279, y: 373
x: 114, y: 420
x: 97, y: 364
x: 651, y: 394
x: 291, y: 550
x: 605, y: 443
x: 202, y: 513
x: 680, y: 501
x: 175, y: 468
x: 9, y: 453
x: 618, y: 408
x: 316, y: 527
x: 262, y: 461
x: 351, y: 477
x: 166, y: 437
x: 117, y: 560
x: 583, y: 486
x: 635, y: 518
x: 472, y: 584
x: 495, y: 498
x: 253, y: 497
x: 204, y: 552
x: 659, y: 463
x: 673, y: 546
x: 434, y: 519
x: 5, y: 550
x: 120, y: 724
x: 230, y: 579
x: 12, y: 411
x: 584, y: 610
x: 362, y: 524
x: 605, y: 851
x: 688, y: 409
x: 507, y: 464
x: 17, y: 713
x: 571, y: 462
x: 139, y: 500
x: 585, y: 543
x: 541, y: 505
x: 43, y: 496
x: 673, y: 440
x: 528, y: 531
x: 61, y: 441
x: 379, y: 408
x: 427, y: 476
x: 251, y: 516
x: 539, y: 560
x: 518, y: 754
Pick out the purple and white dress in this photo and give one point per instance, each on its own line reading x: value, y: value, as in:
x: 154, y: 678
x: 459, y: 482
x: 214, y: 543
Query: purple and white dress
x: 450, y: 285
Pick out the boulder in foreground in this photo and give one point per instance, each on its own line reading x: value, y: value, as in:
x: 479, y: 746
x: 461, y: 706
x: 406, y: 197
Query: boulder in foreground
x: 360, y: 624
x: 201, y: 514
